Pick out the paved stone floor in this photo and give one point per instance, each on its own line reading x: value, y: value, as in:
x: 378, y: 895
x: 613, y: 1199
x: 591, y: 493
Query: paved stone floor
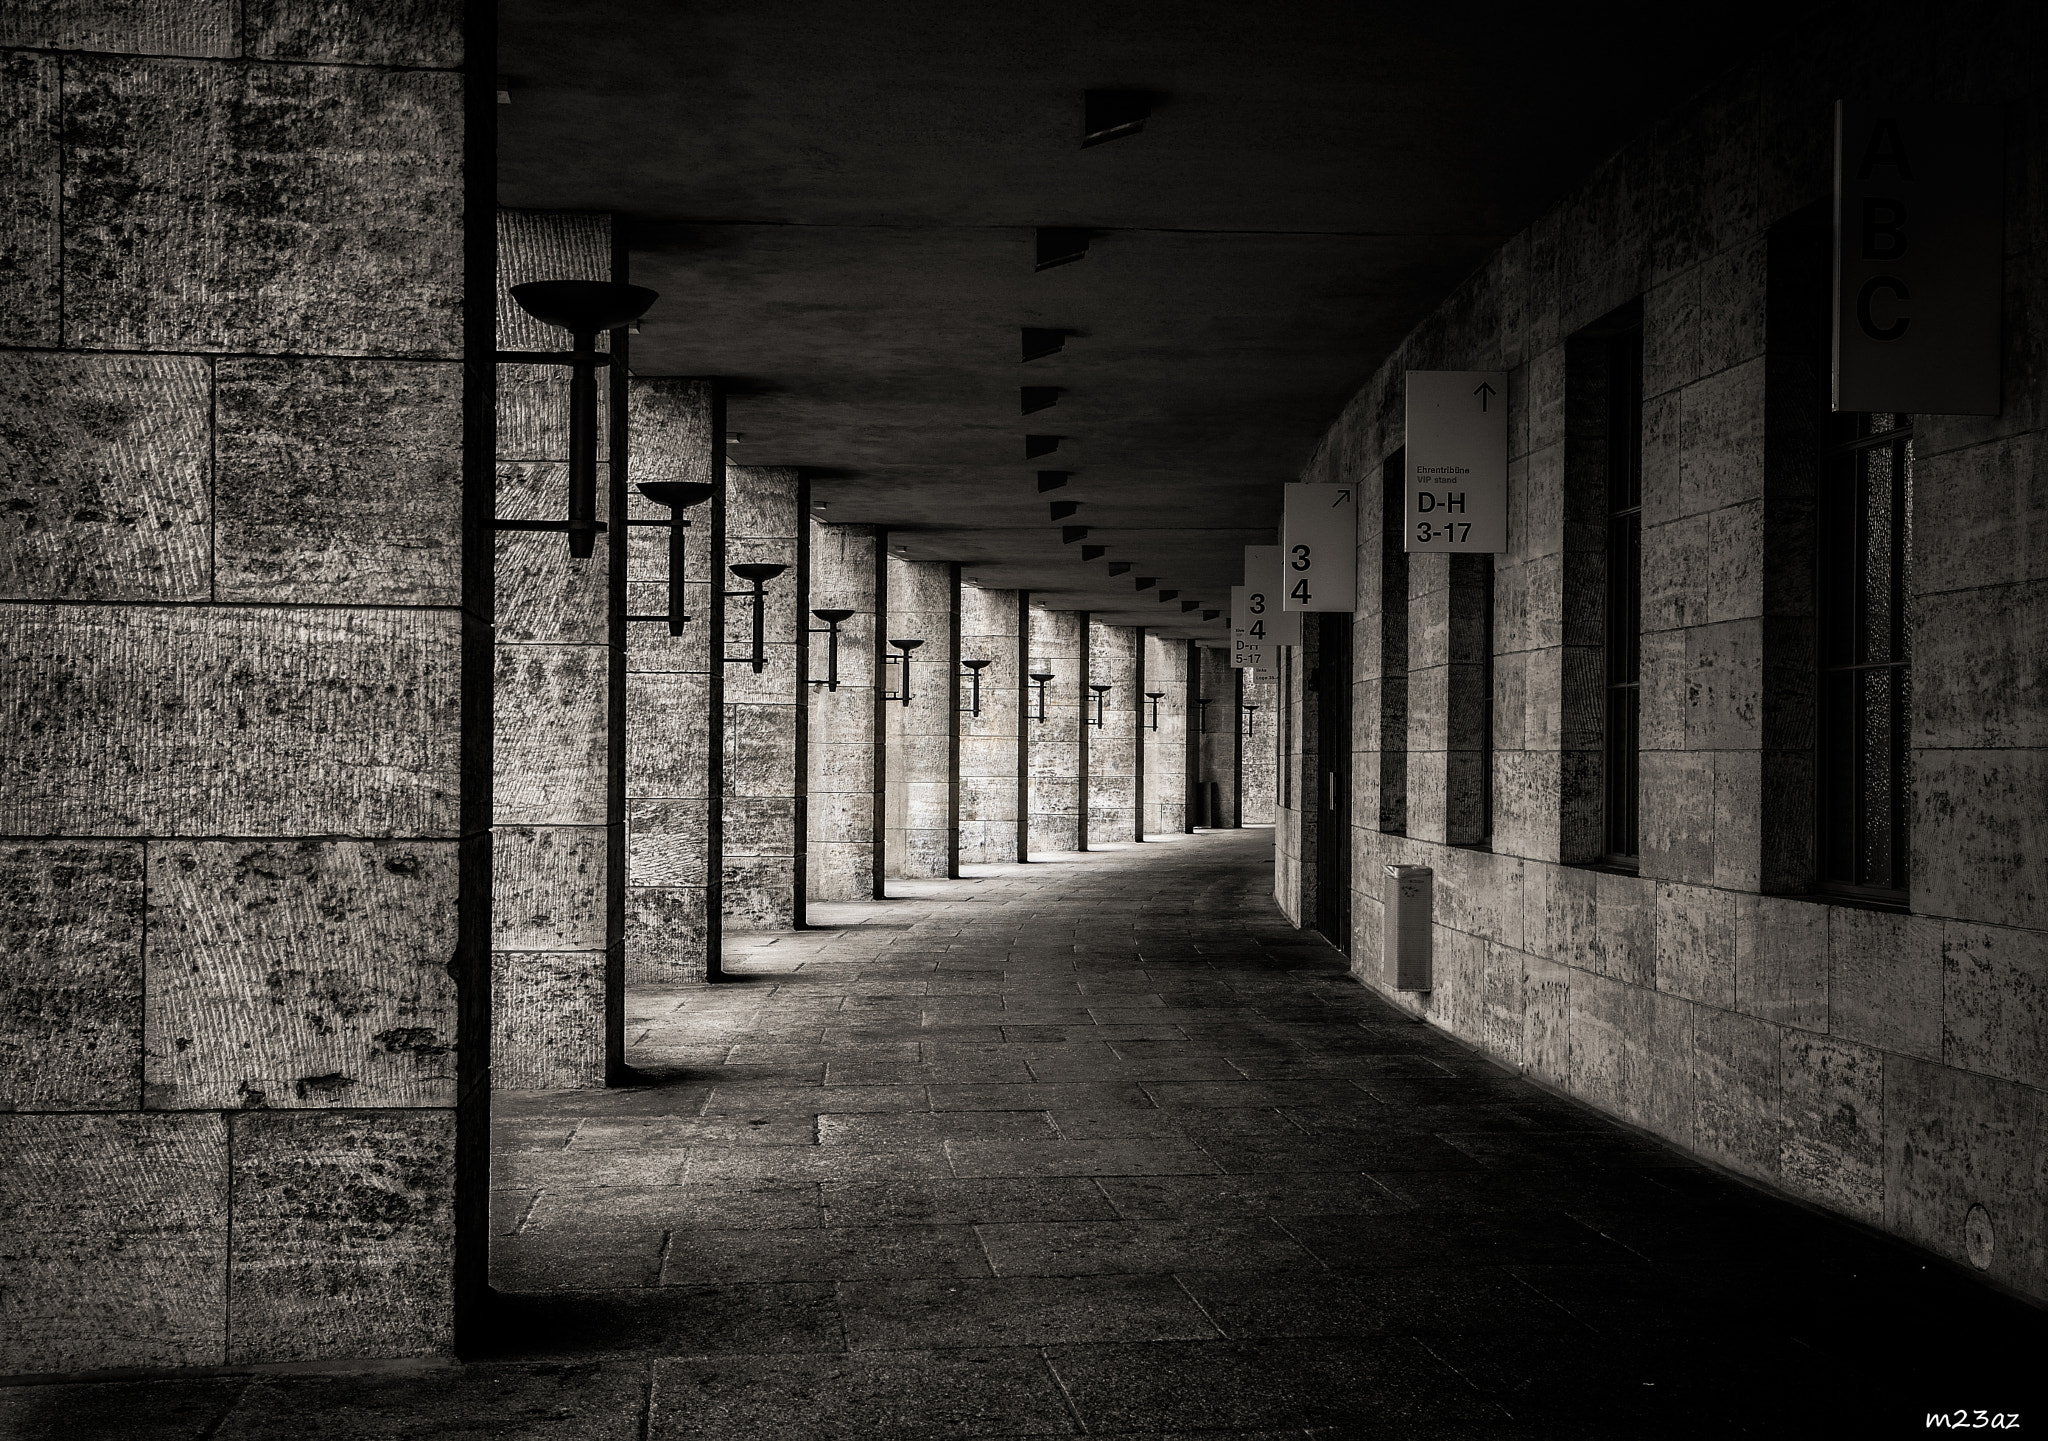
x: 1104, y: 1146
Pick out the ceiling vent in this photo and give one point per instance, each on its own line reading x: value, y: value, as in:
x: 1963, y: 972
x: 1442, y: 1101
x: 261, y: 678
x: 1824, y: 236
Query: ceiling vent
x: 1146, y: 582
x: 1119, y: 567
x: 1039, y: 343
x: 1113, y: 114
x: 1037, y: 445
x: 1094, y: 552
x: 1061, y: 509
x: 1060, y: 245
x: 1053, y: 479
x: 1039, y: 397
x: 1071, y: 533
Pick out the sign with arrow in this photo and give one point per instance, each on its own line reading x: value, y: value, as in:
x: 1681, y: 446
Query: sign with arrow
x: 1457, y: 459
x: 1319, y: 547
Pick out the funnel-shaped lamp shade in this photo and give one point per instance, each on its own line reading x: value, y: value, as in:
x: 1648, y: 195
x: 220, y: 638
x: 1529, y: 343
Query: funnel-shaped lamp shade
x: 676, y: 494
x: 906, y: 644
x: 833, y: 617
x: 755, y: 570
x: 584, y: 307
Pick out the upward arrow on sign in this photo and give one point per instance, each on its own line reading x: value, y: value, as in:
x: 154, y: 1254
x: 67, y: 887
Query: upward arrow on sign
x: 1485, y: 392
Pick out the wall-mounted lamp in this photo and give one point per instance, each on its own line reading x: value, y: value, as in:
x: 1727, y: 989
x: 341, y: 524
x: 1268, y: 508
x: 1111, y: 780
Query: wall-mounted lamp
x: 902, y: 692
x: 832, y: 619
x: 1202, y: 715
x: 676, y: 496
x: 1155, y: 696
x: 1101, y: 694
x: 1250, y: 715
x: 584, y: 308
x: 974, y: 669
x: 758, y: 574
x: 1040, y: 678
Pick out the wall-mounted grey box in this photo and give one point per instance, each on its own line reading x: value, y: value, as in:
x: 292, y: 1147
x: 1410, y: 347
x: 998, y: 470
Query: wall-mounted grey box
x: 1405, y: 918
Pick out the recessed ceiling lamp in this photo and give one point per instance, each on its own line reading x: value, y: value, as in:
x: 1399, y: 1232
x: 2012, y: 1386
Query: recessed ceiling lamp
x: 1037, y: 445
x: 1060, y: 245
x: 1061, y: 509
x: 1188, y: 605
x: 1039, y: 397
x: 1113, y: 114
x: 1169, y: 595
x: 1052, y: 479
x: 1071, y: 533
x: 1119, y: 567
x: 1211, y: 614
x: 1040, y: 342
x: 1093, y: 552
x: 1146, y: 582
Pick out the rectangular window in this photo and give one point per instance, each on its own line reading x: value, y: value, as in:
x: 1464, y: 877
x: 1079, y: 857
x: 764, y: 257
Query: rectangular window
x: 1393, y: 620
x: 1864, y: 577
x: 1623, y: 631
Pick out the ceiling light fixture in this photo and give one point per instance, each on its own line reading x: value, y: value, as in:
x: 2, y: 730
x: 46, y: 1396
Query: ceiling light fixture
x: 1146, y: 582
x: 1061, y: 509
x: 1039, y: 342
x: 1119, y: 567
x: 1053, y: 479
x: 1093, y: 552
x: 1039, y: 397
x: 1071, y: 533
x: 1060, y: 245
x: 1037, y: 445
x: 1113, y: 114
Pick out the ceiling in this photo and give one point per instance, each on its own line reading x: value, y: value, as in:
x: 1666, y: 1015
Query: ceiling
x: 838, y: 204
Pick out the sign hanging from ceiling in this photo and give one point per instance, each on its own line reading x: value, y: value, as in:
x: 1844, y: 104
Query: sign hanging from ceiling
x: 1247, y: 629
x: 1919, y: 235
x: 1319, y: 548
x: 1262, y: 581
x: 1457, y: 457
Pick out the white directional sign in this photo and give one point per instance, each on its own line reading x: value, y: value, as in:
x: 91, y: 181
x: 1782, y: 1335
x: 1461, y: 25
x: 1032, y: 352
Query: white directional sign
x: 1457, y: 461
x: 1247, y: 629
x: 1918, y: 243
x: 1263, y: 588
x: 1319, y: 547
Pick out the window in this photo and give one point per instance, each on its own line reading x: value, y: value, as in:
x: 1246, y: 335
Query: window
x: 1864, y: 605
x: 1623, y: 630
x: 1393, y: 619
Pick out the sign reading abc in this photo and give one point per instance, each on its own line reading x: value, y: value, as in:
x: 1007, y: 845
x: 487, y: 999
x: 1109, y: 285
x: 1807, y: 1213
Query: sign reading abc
x: 1918, y: 241
x: 1457, y: 457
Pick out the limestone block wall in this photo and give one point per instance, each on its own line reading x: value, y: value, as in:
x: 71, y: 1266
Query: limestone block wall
x: 1056, y: 755
x: 843, y: 758
x: 244, y: 644
x: 1217, y: 740
x: 991, y: 785
x: 1165, y: 749
x: 1884, y: 1064
x: 1259, y: 746
x: 1113, y: 761
x: 553, y: 934
x: 923, y: 604
x: 673, y: 700
x: 761, y: 844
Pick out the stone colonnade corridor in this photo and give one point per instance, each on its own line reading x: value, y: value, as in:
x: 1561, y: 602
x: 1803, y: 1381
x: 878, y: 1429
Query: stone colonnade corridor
x: 1102, y: 1145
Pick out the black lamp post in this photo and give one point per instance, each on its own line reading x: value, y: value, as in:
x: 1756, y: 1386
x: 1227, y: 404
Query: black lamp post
x: 677, y: 496
x: 832, y: 619
x: 584, y: 308
x: 758, y: 574
x: 1250, y: 714
x: 902, y: 692
x: 1101, y: 693
x: 974, y: 669
x: 1040, y: 678
x: 1155, y: 696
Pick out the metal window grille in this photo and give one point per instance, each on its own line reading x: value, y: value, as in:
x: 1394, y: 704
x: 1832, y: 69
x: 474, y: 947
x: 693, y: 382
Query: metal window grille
x: 1622, y: 762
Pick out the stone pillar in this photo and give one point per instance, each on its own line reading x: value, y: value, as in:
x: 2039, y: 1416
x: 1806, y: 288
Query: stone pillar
x: 1447, y: 697
x: 245, y: 572
x: 989, y: 785
x: 919, y: 750
x: 1165, y: 749
x: 761, y: 856
x: 677, y: 432
x: 1216, y: 771
x: 1056, y: 797
x: 1258, y: 744
x: 552, y: 934
x: 844, y: 761
x: 1113, y: 745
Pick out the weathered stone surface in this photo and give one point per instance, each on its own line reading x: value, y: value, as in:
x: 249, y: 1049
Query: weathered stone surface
x: 1834, y: 1120
x: 548, y: 245
x: 115, y: 1251
x: 1979, y: 686
x: 286, y: 208
x: 1625, y: 917
x: 547, y: 888
x: 1546, y: 1020
x: 1737, y: 1105
x: 1781, y: 960
x: 300, y: 974
x: 665, y: 934
x: 338, y: 481
x: 760, y: 826
x: 551, y: 746
x: 344, y: 1235
x: 31, y: 200
x: 104, y: 465
x: 666, y: 719
x: 1677, y: 816
x: 1980, y: 515
x: 760, y: 750
x: 423, y: 33
x: 1994, y: 1002
x: 1980, y: 836
x: 1696, y: 944
x: 71, y: 927
x: 232, y: 722
x: 758, y: 893
x: 666, y: 841
x: 547, y: 1020
x: 139, y: 27
x: 1885, y: 980
x: 1721, y: 439
x: 543, y: 594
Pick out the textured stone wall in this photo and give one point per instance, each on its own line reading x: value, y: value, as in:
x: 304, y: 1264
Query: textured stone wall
x: 1113, y: 768
x: 1056, y: 755
x: 1259, y: 746
x: 674, y: 433
x: 1887, y: 1065
x: 845, y: 785
x: 762, y: 849
x: 1165, y: 749
x: 919, y: 751
x: 990, y: 785
x: 553, y: 939
x: 244, y: 616
x: 1217, y: 743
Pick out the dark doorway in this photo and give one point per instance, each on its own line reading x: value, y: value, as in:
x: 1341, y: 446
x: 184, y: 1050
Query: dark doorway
x: 1331, y: 682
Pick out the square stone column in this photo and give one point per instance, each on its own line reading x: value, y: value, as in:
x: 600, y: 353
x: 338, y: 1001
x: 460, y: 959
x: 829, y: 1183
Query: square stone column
x: 673, y: 717
x: 1259, y: 745
x: 1165, y: 749
x: 762, y: 855
x: 245, y: 599
x: 1056, y: 757
x: 920, y: 747
x: 1216, y: 738
x: 843, y: 757
x: 989, y: 775
x: 1113, y: 746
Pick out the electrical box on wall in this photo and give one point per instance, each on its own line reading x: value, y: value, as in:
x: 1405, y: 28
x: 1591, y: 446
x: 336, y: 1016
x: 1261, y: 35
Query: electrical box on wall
x: 1405, y: 921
